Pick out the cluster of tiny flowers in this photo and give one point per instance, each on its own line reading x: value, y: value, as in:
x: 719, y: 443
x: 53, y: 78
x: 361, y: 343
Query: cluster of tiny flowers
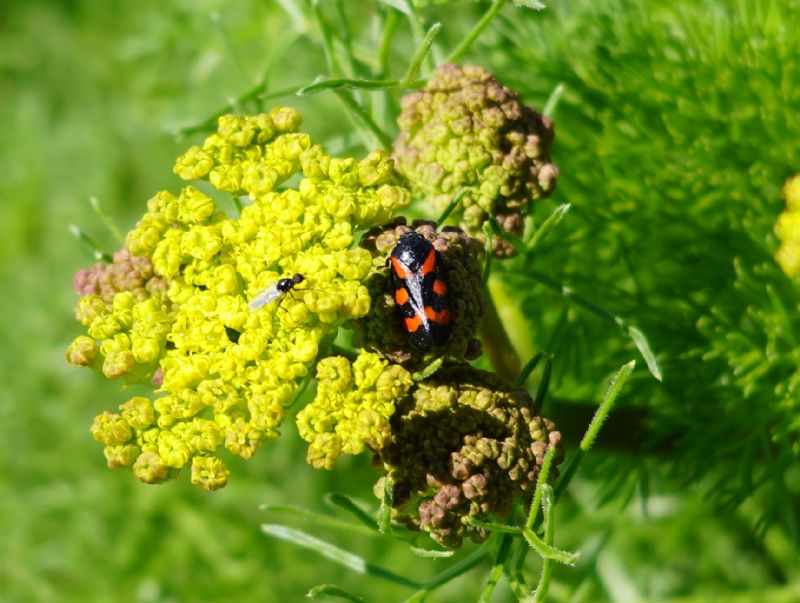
x: 787, y: 228
x: 126, y: 272
x: 463, y: 445
x: 462, y: 261
x: 465, y: 130
x: 227, y: 372
x: 352, y: 407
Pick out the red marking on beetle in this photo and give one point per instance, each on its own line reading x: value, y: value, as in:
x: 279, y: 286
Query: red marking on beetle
x: 440, y: 318
x: 413, y: 323
x: 429, y: 265
x: 401, y: 296
x: 400, y: 270
x: 439, y: 288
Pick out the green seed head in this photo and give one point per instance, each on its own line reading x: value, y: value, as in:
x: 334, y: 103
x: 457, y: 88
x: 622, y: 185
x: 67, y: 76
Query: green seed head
x: 464, y: 130
x: 464, y: 443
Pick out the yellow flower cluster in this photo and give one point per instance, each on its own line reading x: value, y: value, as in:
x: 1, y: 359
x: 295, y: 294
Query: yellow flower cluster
x: 228, y: 370
x: 787, y: 228
x: 352, y: 408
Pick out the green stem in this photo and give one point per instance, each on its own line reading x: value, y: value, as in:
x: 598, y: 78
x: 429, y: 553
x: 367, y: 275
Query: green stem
x: 364, y: 119
x: 230, y: 46
x: 497, y: 345
x: 453, y: 571
x: 257, y: 92
x: 417, y: 30
x: 594, y: 427
x: 497, y: 570
x: 549, y: 532
x: 465, y: 44
x: 385, y: 48
x: 541, y: 482
x: 107, y: 220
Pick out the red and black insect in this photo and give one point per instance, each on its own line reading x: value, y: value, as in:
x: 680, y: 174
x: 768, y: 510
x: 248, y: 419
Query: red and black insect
x: 420, y: 291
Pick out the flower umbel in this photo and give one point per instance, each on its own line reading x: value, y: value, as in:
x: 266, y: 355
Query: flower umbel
x: 228, y: 372
x: 463, y: 444
x: 466, y: 130
x: 352, y: 408
x: 787, y: 228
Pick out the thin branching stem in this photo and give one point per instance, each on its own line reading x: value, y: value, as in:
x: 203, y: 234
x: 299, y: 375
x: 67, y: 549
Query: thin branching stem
x: 540, y: 594
x: 473, y: 35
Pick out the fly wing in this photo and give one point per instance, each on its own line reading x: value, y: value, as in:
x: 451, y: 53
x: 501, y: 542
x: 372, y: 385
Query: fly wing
x: 264, y: 297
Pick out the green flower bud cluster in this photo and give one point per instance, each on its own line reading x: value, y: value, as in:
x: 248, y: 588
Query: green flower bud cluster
x: 466, y: 130
x: 228, y: 371
x: 352, y: 408
x: 126, y: 272
x: 463, y: 444
x: 461, y: 256
x: 787, y: 228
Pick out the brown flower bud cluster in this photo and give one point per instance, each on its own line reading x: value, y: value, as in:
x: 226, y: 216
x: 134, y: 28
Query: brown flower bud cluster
x: 127, y: 272
x: 465, y: 130
x: 382, y: 330
x: 464, y: 443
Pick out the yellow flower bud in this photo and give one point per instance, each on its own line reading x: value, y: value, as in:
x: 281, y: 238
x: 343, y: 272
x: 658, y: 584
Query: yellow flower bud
x: 172, y: 450
x: 82, y: 351
x: 194, y: 207
x: 138, y: 412
x: 150, y: 469
x: 209, y: 472
x: 118, y: 364
x: 110, y: 429
x: 121, y: 455
x: 90, y: 308
x: 194, y: 164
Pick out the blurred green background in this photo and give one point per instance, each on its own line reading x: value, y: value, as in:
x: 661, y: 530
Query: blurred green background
x: 677, y: 127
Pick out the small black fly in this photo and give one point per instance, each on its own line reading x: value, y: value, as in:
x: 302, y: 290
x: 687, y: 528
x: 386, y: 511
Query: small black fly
x: 275, y: 291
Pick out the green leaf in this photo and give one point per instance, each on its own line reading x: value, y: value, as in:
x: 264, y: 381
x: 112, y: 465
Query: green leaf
x: 544, y: 384
x: 337, y: 83
x: 638, y: 338
x: 107, y: 220
x: 553, y: 100
x: 326, y: 591
x: 487, y: 262
x: 549, y: 552
x: 494, y: 527
x: 334, y: 553
x: 594, y: 427
x: 344, y: 502
x: 476, y: 31
x: 551, y: 222
x: 615, y: 387
x: 100, y: 256
x: 371, y: 131
x: 510, y: 238
x: 532, y: 4
x: 399, y: 5
x: 385, y: 510
x: 643, y: 346
x: 497, y: 570
x: 431, y: 553
x: 317, y: 518
x: 451, y: 206
x: 429, y: 370
x: 541, y: 482
x: 454, y: 571
x: 529, y: 367
x: 416, y: 61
